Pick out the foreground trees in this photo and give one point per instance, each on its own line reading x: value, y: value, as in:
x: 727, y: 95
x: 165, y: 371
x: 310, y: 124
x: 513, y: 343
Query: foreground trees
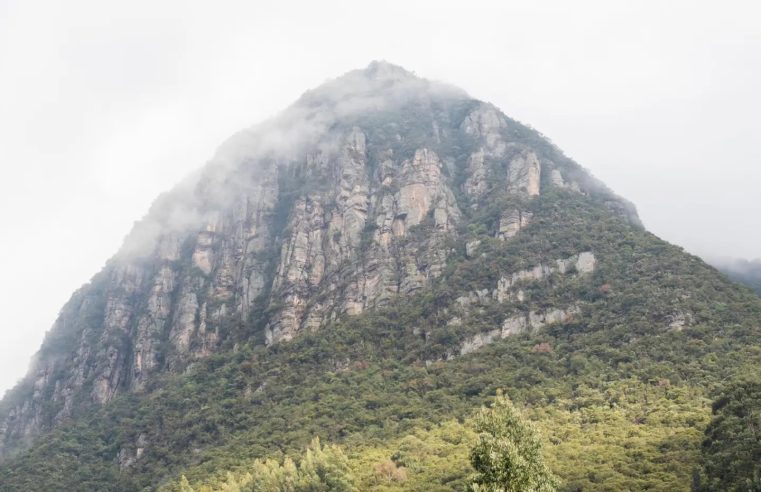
x: 508, y: 455
x: 321, y: 469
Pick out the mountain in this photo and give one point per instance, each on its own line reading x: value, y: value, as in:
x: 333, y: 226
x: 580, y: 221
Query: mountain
x: 369, y: 267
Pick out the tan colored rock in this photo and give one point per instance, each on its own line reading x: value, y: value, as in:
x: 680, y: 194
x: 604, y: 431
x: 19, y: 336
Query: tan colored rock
x: 150, y: 326
x: 514, y: 326
x: 422, y: 186
x: 556, y: 177
x: 476, y: 183
x: 203, y: 254
x: 477, y: 341
x: 487, y: 126
x: 679, y: 320
x: 586, y: 262
x: 583, y: 263
x: 471, y: 247
x: 511, y: 223
x: 486, y: 123
x: 518, y: 324
x: 524, y: 174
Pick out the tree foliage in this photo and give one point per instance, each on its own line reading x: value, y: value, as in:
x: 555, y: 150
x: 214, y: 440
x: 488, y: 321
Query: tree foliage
x: 320, y: 469
x: 732, y: 446
x: 508, y: 455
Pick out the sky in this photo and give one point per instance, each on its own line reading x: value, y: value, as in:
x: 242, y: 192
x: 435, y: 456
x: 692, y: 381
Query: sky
x: 105, y: 104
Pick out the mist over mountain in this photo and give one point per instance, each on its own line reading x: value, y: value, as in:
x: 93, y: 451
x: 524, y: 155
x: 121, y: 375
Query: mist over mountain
x: 740, y: 270
x: 369, y: 267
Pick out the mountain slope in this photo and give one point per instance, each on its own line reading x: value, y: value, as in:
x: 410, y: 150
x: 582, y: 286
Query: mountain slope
x: 384, y: 254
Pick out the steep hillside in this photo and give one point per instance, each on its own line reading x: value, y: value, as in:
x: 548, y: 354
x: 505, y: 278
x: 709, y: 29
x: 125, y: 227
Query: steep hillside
x: 374, y: 262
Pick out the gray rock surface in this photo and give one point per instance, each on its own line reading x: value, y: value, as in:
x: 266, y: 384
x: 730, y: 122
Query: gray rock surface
x: 519, y: 324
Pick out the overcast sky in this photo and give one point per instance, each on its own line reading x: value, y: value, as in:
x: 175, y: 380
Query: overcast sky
x: 105, y: 104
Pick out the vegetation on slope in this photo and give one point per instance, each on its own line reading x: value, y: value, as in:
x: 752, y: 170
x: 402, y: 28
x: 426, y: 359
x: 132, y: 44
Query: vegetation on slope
x: 507, y: 456
x: 321, y: 468
x: 620, y: 396
x: 732, y: 447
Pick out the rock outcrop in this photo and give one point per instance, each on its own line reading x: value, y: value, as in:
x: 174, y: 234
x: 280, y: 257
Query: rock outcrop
x: 511, y: 222
x: 519, y: 324
x: 487, y: 126
x: 524, y: 174
x: 324, y: 250
x: 508, y: 287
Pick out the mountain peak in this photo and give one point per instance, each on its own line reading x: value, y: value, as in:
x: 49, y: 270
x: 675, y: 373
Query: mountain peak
x: 382, y: 69
x: 386, y: 84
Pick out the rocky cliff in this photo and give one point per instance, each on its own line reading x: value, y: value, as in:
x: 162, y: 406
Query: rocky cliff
x: 351, y: 197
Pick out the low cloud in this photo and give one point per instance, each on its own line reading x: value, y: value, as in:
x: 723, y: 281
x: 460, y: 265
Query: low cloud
x: 304, y: 126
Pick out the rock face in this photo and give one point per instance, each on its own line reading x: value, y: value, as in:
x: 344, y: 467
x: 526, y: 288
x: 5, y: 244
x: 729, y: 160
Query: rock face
x: 580, y: 264
x: 524, y: 173
x: 486, y: 124
x: 511, y: 222
x: 509, y: 287
x: 351, y: 196
x: 516, y: 325
x: 324, y: 250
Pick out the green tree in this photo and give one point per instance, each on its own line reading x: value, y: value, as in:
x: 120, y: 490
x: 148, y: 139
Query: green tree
x: 269, y: 476
x: 184, y: 485
x: 325, y: 468
x: 508, y: 455
x: 321, y: 469
x: 732, y: 447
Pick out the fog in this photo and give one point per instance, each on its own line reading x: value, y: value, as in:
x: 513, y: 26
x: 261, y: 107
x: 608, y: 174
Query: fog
x: 105, y: 105
x: 241, y: 164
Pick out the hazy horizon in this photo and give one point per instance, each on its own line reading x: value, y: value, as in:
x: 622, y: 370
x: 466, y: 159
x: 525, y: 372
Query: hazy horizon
x: 102, y: 107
